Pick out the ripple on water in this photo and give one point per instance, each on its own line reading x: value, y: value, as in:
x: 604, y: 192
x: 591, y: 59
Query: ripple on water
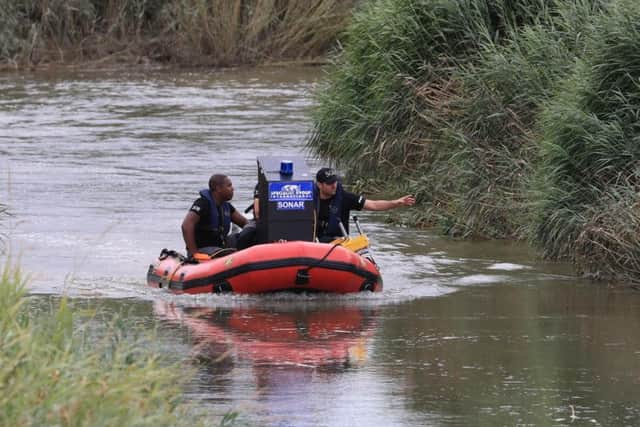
x: 507, y: 266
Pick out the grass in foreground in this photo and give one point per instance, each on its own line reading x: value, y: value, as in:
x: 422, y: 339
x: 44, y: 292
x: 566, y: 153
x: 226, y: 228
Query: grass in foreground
x: 53, y: 372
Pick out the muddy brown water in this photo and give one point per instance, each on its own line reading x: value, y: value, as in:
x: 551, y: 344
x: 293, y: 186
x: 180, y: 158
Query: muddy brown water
x: 98, y: 170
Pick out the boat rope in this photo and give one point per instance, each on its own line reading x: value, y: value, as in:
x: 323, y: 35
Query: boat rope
x: 230, y: 273
x: 302, y: 276
x: 222, y: 252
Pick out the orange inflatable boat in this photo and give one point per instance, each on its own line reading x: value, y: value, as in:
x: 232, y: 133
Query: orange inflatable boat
x: 290, y: 266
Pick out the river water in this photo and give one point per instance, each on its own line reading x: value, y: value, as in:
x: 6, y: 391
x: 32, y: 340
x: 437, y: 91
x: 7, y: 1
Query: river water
x: 98, y: 170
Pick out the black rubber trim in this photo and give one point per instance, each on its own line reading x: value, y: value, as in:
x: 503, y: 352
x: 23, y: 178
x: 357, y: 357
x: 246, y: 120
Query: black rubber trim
x: 220, y: 288
x: 268, y: 265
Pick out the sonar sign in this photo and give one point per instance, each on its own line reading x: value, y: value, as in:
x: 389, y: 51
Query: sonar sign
x: 292, y: 205
x: 290, y: 195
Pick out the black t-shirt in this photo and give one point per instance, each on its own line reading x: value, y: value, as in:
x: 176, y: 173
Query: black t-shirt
x: 205, y: 234
x: 350, y: 202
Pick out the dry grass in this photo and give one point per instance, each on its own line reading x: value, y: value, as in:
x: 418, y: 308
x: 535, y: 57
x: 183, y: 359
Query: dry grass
x: 185, y: 32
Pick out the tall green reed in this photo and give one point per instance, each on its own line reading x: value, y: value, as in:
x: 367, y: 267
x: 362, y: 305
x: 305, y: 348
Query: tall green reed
x: 587, y: 198
x: 421, y: 91
x: 491, y: 124
x: 442, y: 98
x: 368, y: 102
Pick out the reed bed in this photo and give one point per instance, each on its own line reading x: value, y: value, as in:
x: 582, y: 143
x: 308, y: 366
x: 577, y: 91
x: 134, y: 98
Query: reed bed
x: 588, y: 188
x: 367, y: 109
x: 491, y: 139
x: 406, y: 98
x: 187, y: 32
x: 250, y: 32
x: 55, y: 370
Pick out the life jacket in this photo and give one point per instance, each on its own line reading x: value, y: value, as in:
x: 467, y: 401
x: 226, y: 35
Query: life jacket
x: 222, y: 227
x: 335, y: 209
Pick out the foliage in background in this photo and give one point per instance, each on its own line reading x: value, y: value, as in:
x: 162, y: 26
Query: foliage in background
x: 249, y: 32
x: 507, y: 119
x: 53, y: 372
x: 441, y: 96
x: 588, y: 189
x: 212, y: 32
x: 367, y: 111
x: 488, y: 146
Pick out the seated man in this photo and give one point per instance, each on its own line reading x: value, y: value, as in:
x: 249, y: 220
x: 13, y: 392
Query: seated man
x: 333, y: 205
x: 207, y: 224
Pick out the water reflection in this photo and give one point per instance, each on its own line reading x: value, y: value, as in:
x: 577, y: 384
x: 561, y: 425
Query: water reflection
x: 277, y: 361
x: 331, y: 339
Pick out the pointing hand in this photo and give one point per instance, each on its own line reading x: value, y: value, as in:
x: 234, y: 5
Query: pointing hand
x: 407, y: 200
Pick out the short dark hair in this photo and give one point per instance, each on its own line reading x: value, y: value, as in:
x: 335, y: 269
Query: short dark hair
x: 216, y: 179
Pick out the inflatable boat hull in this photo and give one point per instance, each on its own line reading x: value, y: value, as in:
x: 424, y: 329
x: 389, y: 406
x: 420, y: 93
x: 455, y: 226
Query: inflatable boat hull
x: 290, y: 266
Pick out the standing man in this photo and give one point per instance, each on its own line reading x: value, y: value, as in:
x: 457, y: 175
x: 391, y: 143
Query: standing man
x: 333, y: 205
x: 207, y: 224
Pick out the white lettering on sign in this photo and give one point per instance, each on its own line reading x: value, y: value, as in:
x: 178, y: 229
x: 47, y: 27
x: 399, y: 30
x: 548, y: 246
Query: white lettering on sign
x: 290, y: 191
x: 291, y: 194
x: 290, y: 205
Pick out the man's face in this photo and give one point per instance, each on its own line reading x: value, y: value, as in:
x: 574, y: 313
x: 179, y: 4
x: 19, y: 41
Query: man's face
x: 327, y: 190
x: 225, y: 190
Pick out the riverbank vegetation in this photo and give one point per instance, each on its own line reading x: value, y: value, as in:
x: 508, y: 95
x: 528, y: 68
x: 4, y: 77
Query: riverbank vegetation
x: 507, y: 119
x: 182, y: 32
x: 56, y: 370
